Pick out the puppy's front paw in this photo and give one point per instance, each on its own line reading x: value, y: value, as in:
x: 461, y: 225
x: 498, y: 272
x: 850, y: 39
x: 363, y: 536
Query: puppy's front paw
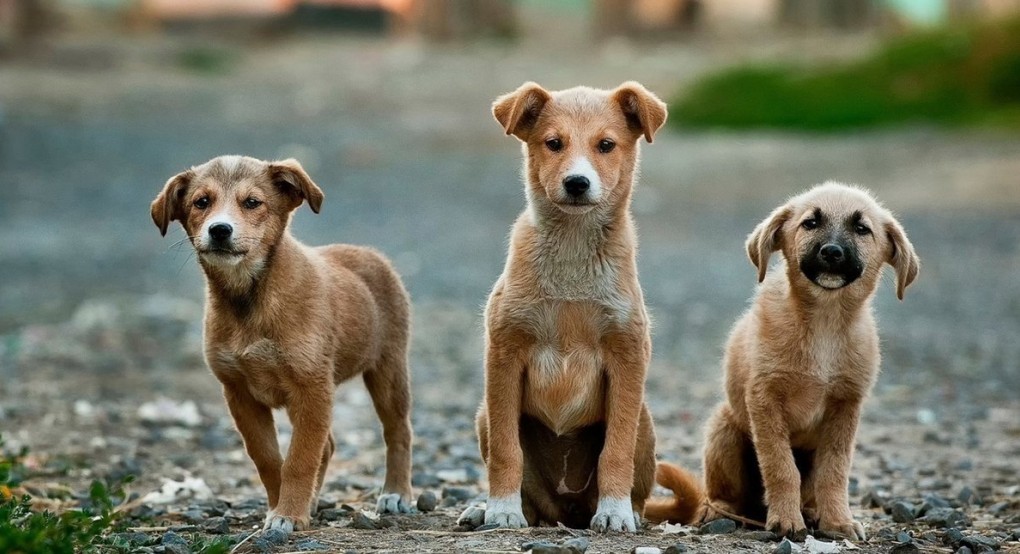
x: 614, y: 514
x: 392, y: 503
x: 787, y: 523
x: 472, y: 517
x: 849, y: 528
x: 287, y: 524
x: 505, y: 512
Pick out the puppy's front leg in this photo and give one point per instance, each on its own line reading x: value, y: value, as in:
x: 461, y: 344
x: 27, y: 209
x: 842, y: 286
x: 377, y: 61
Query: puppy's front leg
x: 311, y: 413
x: 626, y: 359
x: 254, y: 421
x: 832, y: 469
x: 504, y: 372
x: 779, y: 473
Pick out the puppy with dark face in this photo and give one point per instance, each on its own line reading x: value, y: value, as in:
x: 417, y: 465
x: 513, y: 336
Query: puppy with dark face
x: 800, y: 363
x: 564, y: 429
x: 286, y: 323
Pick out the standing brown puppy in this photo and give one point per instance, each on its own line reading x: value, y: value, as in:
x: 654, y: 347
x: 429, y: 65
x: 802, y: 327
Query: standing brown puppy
x: 801, y: 361
x: 286, y: 323
x: 563, y: 428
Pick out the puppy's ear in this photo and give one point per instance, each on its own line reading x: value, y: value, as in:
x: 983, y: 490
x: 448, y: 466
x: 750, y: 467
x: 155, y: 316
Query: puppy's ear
x: 518, y: 111
x: 767, y: 238
x: 292, y: 179
x: 644, y: 111
x: 902, y: 257
x: 168, y: 205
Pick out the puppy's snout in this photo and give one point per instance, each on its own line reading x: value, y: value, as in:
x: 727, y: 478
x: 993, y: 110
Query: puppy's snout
x: 831, y: 253
x: 220, y: 231
x: 576, y: 185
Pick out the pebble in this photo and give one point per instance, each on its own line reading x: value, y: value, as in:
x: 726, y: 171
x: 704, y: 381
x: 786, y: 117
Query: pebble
x: 1016, y: 534
x: 333, y: 514
x: 998, y: 508
x: 425, y: 480
x: 967, y: 496
x: 945, y: 517
x: 576, y: 545
x: 427, y: 501
x: 678, y: 548
x: 718, y: 527
x: 904, y: 548
x: 216, y: 526
x: 132, y: 539
x: 784, y: 547
x: 362, y: 521
x: 310, y: 545
x: 964, y: 550
x: 979, y: 543
x: 762, y: 536
x: 173, y: 543
x: 193, y: 516
x: 487, y: 527
x: 952, y: 536
x: 903, y: 536
x: 324, y: 504
x: 646, y: 550
x: 274, y: 536
x: 902, y: 512
x: 932, y: 501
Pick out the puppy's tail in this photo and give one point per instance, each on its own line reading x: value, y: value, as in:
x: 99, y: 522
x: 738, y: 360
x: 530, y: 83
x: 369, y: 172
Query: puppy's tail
x: 688, y: 495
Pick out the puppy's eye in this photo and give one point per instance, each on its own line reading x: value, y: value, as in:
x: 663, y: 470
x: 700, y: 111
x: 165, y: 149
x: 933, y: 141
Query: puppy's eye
x: 809, y: 224
x: 554, y: 144
x: 606, y: 146
x: 861, y: 229
x: 251, y: 203
x: 202, y: 203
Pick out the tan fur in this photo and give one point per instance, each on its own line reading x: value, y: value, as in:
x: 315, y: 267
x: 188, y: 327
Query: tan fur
x: 799, y: 364
x: 567, y: 334
x: 286, y: 323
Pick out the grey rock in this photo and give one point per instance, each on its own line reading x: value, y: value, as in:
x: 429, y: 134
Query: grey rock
x: 362, y: 521
x: 487, y: 527
x: 310, y: 545
x: 577, y: 545
x: 904, y: 548
x: 427, y: 501
x: 874, y: 498
x: 132, y: 539
x: 646, y: 550
x: 964, y: 550
x: 173, y: 543
x: 932, y: 501
x: 422, y: 479
x: 945, y: 517
x: 718, y: 527
x: 967, y: 496
x: 216, y: 526
x: 460, y: 494
x: 324, y: 504
x: 763, y: 536
x: 902, y: 512
x: 903, y: 536
x: 979, y: 543
x: 333, y: 514
x: 275, y: 537
x: 784, y: 547
x: 952, y: 537
x: 998, y: 507
x: 678, y: 548
x: 193, y: 516
x: 1016, y: 534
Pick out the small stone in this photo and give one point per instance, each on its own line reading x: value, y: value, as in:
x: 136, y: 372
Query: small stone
x: 332, y: 514
x: 952, y: 537
x: 324, y: 504
x: 538, y: 546
x: 308, y: 545
x: 904, y: 548
x: 998, y: 508
x: 646, y: 550
x: 460, y: 494
x: 903, y: 536
x: 873, y: 499
x: 967, y: 496
x: 425, y: 480
x: 132, y: 539
x: 945, y: 517
x: 964, y: 550
x: 784, y: 547
x: 427, y: 501
x: 577, y: 545
x: 678, y: 548
x: 902, y: 512
x: 762, y: 536
x: 932, y: 501
x: 487, y: 527
x: 1016, y: 534
x: 216, y: 526
x: 362, y: 521
x: 274, y: 536
x: 193, y: 516
x: 718, y: 527
x: 173, y: 543
x: 979, y: 543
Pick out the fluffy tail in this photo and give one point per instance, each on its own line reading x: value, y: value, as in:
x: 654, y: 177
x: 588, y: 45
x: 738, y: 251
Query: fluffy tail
x: 687, y: 495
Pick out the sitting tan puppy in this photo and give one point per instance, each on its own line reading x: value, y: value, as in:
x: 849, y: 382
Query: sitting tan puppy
x: 800, y: 362
x: 564, y: 429
x: 286, y: 323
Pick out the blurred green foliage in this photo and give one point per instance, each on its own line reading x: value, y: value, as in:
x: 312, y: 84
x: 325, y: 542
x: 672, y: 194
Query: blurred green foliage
x: 962, y: 76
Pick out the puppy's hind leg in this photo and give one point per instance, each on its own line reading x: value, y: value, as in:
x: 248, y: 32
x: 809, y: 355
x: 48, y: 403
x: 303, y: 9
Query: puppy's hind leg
x: 390, y: 389
x: 726, y: 468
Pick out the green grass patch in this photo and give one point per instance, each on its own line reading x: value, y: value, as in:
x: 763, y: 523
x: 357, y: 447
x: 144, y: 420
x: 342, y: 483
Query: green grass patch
x: 961, y: 76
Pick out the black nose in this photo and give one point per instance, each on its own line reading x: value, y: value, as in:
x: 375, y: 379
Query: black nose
x: 220, y: 231
x: 576, y: 185
x: 831, y: 253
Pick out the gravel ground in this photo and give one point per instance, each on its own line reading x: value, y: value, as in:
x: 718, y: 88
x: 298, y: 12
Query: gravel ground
x: 100, y: 366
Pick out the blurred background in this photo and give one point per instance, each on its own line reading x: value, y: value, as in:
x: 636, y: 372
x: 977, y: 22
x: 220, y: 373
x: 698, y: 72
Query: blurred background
x: 386, y: 103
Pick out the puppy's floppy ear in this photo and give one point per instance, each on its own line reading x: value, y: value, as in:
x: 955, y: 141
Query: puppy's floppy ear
x: 645, y: 112
x: 518, y: 111
x: 766, y: 239
x: 294, y: 181
x: 168, y: 206
x: 901, y: 256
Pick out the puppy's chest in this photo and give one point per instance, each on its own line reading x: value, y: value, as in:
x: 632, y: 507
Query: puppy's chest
x: 564, y: 379
x: 261, y: 365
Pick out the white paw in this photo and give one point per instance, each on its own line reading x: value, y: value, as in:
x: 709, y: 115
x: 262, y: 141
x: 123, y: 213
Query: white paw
x: 392, y: 503
x: 614, y: 514
x: 282, y: 523
x: 505, y: 512
x: 473, y: 516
